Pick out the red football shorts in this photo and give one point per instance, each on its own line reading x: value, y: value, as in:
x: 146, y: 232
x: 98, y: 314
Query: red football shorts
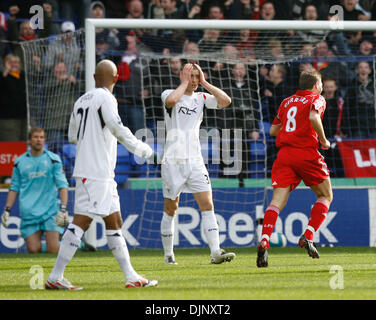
x: 293, y: 165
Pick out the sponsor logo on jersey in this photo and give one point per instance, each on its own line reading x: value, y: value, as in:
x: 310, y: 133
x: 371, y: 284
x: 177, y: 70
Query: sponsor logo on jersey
x: 37, y: 174
x: 185, y: 110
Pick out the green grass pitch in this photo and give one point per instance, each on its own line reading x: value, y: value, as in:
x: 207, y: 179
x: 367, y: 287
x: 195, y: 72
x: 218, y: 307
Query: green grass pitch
x: 291, y: 275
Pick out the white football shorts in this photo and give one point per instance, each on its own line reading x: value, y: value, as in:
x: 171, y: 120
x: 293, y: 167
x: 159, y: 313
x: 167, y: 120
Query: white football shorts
x: 184, y: 176
x: 96, y: 198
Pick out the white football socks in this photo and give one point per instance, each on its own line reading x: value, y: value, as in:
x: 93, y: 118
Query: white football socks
x: 167, y: 234
x: 211, y: 230
x: 71, y: 241
x: 118, y: 246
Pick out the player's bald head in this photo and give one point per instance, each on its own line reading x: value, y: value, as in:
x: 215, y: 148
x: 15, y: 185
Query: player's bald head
x: 106, y: 68
x: 105, y: 73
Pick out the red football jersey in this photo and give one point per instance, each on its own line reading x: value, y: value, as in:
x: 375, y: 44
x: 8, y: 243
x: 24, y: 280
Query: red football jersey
x: 293, y: 116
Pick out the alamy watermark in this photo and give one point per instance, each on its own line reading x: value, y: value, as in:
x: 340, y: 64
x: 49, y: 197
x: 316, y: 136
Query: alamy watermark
x: 337, y: 281
x: 37, y: 20
x: 226, y: 145
x: 37, y: 280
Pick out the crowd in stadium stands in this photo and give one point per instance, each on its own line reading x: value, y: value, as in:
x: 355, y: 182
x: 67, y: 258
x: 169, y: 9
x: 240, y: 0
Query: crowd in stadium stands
x: 348, y: 84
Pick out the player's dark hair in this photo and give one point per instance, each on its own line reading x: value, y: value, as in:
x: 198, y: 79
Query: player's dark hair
x: 308, y: 79
x: 35, y: 129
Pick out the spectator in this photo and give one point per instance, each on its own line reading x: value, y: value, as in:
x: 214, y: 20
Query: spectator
x: 195, y: 9
x: 256, y: 9
x: 211, y: 41
x: 65, y: 48
x: 307, y: 49
x: 173, y: 38
x: 171, y: 72
x: 359, y: 108
x: 239, y: 9
x: 275, y: 49
x: 25, y: 32
x: 332, y: 122
x: 276, y: 88
x: 313, y: 36
x: 353, y: 39
x: 229, y: 56
x: 135, y: 10
x: 350, y: 12
x: 13, y: 124
x: 130, y: 93
x: 365, y: 48
x: 194, y: 12
x: 106, y: 39
x: 322, y: 8
x: 242, y: 114
x: 215, y: 12
x: 245, y: 44
x: 334, y: 108
x: 37, y: 179
x: 62, y: 92
x: 70, y: 8
x: 268, y: 12
x: 171, y: 11
x: 155, y: 10
x: 192, y: 50
x: 163, y: 40
x: 327, y: 65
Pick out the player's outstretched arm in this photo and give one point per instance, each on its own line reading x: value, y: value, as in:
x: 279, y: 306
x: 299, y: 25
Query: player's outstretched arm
x: 176, y: 95
x: 223, y: 99
x: 127, y: 139
x: 315, y: 119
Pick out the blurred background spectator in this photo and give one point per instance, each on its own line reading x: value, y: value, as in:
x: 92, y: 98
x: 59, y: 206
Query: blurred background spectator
x: 62, y: 93
x: 359, y: 108
x: 13, y: 122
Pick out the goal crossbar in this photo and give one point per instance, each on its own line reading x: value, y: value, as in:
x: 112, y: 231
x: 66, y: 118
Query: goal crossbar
x: 185, y: 24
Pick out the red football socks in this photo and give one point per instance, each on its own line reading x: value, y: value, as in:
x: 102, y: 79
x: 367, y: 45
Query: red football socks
x: 318, y: 215
x: 270, y: 219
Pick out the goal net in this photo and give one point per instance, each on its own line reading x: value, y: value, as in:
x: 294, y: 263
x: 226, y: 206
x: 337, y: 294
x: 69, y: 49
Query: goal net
x: 257, y: 67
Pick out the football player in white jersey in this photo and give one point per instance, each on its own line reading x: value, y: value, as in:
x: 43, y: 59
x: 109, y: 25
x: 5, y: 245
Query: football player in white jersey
x: 95, y: 127
x: 182, y: 167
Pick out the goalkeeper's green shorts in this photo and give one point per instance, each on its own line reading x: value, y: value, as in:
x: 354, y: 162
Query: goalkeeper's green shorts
x: 28, y: 228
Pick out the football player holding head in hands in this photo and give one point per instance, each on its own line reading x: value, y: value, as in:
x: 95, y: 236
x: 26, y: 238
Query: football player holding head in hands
x: 183, y: 168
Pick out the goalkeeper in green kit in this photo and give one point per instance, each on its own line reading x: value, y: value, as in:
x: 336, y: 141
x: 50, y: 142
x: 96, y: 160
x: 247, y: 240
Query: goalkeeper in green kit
x: 37, y: 180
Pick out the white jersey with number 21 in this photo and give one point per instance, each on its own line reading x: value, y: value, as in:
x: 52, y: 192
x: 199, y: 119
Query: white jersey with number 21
x: 95, y: 126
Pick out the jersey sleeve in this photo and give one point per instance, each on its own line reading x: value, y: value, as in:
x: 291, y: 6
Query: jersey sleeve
x: 16, y: 178
x: 276, y: 121
x: 165, y: 94
x: 123, y: 134
x: 319, y: 104
x: 72, y: 129
x: 210, y: 101
x: 58, y: 172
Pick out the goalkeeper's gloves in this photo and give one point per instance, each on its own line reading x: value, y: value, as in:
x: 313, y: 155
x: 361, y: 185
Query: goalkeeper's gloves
x: 5, y: 217
x: 62, y: 216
